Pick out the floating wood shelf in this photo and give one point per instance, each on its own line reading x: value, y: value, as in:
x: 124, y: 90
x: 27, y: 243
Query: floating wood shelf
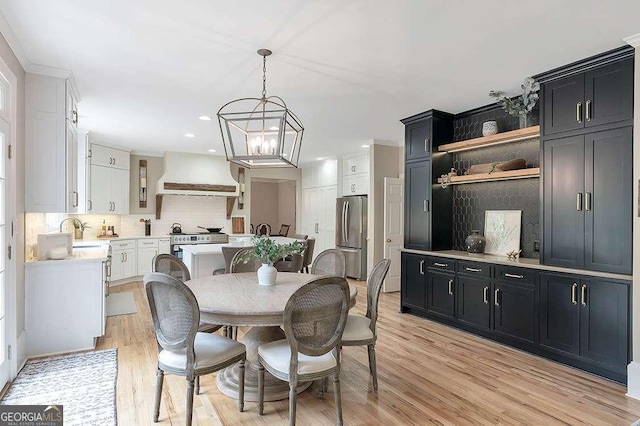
x: 488, y: 177
x: 498, y: 138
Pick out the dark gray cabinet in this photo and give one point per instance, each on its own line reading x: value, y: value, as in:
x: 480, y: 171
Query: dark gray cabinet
x: 413, y: 283
x: 600, y: 96
x: 441, y: 293
x: 514, y: 310
x: 473, y: 299
x: 417, y: 221
x: 587, y: 197
x: 417, y: 139
x: 586, y: 317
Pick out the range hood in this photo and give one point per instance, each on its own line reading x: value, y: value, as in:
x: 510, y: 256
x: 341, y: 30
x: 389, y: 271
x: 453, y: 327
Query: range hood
x: 195, y: 174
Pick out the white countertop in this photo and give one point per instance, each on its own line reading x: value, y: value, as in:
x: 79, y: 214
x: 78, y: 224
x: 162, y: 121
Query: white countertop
x: 203, y: 249
x: 79, y: 254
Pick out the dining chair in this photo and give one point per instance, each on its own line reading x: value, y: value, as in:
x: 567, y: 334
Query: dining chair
x: 171, y: 265
x: 300, y: 236
x: 361, y: 329
x: 308, y: 254
x: 227, y: 253
x: 330, y: 262
x: 238, y: 266
x: 314, y: 320
x: 263, y: 229
x: 284, y: 230
x: 292, y: 263
x: 182, y: 350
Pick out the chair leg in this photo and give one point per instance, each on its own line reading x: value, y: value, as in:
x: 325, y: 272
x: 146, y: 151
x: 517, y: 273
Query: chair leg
x: 197, y: 385
x: 241, y: 386
x: 189, y: 408
x: 225, y: 331
x: 320, y: 385
x: 156, y: 407
x: 372, y: 366
x: 338, y: 399
x: 292, y: 403
x: 260, y: 389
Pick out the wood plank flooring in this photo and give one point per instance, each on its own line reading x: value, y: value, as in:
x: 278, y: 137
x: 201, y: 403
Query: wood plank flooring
x: 428, y: 374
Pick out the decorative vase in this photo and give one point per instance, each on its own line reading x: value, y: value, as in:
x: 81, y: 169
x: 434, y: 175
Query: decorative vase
x: 524, y: 120
x: 475, y: 242
x: 267, y: 274
x: 489, y: 128
x: 78, y: 234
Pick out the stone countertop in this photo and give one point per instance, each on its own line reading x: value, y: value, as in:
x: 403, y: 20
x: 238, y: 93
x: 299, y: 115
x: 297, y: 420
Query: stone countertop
x: 203, y: 249
x: 93, y: 241
x: 520, y: 262
x: 78, y: 254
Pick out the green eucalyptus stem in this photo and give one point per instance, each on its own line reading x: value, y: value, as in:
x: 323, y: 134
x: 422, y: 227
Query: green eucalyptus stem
x: 265, y: 250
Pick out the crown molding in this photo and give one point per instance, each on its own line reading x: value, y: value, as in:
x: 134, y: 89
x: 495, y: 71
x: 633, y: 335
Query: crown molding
x: 13, y: 42
x: 55, y: 72
x: 633, y: 40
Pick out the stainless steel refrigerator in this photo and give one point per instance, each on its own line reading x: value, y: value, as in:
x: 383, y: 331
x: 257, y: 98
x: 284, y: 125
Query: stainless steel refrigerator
x: 351, y: 234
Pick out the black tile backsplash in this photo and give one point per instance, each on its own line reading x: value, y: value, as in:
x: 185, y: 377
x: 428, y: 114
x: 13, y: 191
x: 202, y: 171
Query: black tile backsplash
x: 469, y: 126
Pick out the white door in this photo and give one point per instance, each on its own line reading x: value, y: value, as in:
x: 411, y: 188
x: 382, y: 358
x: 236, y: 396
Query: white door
x: 5, y: 238
x: 393, y: 230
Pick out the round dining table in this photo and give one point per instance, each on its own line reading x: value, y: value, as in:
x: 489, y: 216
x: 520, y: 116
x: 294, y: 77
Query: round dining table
x: 238, y: 300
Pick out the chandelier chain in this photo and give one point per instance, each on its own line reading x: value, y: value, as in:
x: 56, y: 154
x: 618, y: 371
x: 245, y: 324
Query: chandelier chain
x: 264, y: 76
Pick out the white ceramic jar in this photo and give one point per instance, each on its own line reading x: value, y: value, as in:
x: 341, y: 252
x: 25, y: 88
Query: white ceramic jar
x: 489, y: 128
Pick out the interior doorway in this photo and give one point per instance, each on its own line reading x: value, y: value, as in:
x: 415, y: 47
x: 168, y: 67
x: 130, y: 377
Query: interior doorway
x: 273, y: 202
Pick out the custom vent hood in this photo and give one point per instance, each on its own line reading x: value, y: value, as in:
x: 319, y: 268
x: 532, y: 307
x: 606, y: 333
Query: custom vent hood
x: 196, y: 174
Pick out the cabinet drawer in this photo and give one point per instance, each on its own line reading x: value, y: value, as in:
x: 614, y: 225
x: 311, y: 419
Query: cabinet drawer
x: 509, y: 273
x: 441, y: 264
x: 148, y: 243
x: 474, y: 268
x: 123, y: 245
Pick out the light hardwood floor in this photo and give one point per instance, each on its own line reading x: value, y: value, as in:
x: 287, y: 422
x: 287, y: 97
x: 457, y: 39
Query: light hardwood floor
x: 428, y: 374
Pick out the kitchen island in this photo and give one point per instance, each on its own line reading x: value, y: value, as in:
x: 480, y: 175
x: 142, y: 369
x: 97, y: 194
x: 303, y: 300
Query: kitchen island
x: 203, y: 259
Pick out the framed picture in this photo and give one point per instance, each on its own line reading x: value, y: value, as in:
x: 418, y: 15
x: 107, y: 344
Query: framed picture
x: 502, y: 231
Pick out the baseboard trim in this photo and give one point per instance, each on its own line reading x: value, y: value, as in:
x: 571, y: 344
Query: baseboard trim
x: 633, y: 380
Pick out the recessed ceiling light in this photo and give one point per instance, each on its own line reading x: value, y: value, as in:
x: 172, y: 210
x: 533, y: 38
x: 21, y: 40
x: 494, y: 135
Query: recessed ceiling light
x: 320, y: 158
x: 274, y: 128
x: 189, y: 135
x: 211, y: 150
x: 205, y: 118
x: 364, y: 146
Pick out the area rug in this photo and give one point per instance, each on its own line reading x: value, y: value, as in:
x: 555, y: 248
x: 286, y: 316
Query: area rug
x: 120, y: 304
x: 84, y: 384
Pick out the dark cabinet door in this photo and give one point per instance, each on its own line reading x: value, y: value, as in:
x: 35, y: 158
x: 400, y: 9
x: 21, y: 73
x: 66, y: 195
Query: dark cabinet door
x: 441, y: 293
x: 609, y: 94
x: 563, y: 104
x: 417, y: 140
x: 417, y: 205
x: 473, y: 298
x: 514, y: 307
x: 608, y: 201
x: 563, y: 202
x: 604, y: 322
x: 414, y: 285
x: 559, y: 312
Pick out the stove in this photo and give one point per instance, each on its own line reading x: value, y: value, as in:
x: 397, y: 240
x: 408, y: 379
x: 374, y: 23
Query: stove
x: 199, y: 238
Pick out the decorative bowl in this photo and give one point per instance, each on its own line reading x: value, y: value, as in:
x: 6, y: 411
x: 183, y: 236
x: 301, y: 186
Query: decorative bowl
x: 489, y: 128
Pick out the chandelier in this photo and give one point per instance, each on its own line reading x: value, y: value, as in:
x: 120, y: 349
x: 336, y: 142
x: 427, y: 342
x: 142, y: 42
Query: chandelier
x: 261, y: 132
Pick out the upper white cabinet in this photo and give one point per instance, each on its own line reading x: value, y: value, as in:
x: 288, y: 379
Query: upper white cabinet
x: 51, y: 145
x: 322, y: 174
x: 355, y: 175
x: 107, y: 180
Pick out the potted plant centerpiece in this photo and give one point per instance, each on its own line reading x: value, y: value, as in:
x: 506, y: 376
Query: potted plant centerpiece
x: 79, y: 228
x: 267, y: 251
x: 522, y: 105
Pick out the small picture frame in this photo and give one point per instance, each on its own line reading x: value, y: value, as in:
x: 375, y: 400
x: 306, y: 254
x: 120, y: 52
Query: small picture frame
x: 502, y: 231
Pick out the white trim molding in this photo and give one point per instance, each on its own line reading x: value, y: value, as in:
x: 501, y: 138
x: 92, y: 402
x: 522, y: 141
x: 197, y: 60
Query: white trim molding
x: 633, y: 40
x: 633, y: 380
x: 55, y: 72
x: 13, y: 42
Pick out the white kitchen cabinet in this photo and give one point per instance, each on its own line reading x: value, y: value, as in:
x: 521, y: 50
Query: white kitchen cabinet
x: 318, y: 216
x: 64, y: 304
x: 108, y: 188
x: 72, y: 105
x: 321, y: 174
x: 356, y: 164
x: 123, y: 259
x: 355, y: 184
x: 164, y: 247
x: 106, y: 156
x: 51, y: 178
x: 147, y: 250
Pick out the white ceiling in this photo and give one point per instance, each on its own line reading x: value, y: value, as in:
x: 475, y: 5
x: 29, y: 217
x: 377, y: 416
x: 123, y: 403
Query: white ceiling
x: 146, y: 69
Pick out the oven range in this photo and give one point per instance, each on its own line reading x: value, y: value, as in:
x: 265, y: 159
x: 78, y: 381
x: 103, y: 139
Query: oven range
x: 197, y: 238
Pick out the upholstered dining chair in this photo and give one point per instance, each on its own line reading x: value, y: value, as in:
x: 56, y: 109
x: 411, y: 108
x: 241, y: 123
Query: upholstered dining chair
x: 238, y: 266
x: 361, y: 329
x: 171, y: 265
x: 300, y: 236
x: 330, y: 262
x: 263, y: 229
x: 284, y: 230
x: 314, y: 320
x: 292, y: 263
x: 182, y: 350
x: 227, y: 253
x: 307, y: 255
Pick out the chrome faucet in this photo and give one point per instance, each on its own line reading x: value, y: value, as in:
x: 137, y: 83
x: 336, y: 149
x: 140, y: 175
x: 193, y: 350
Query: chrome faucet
x: 75, y: 220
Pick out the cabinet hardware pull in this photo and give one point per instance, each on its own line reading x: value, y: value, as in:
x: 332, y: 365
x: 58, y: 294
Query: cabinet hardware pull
x: 426, y: 142
x: 485, y: 295
x: 574, y: 287
x: 424, y: 205
x: 514, y: 276
x: 422, y: 267
x: 126, y: 256
x: 90, y: 205
x: 587, y: 201
x: 496, y: 296
x: 122, y: 257
x: 583, y: 295
x: 579, y: 112
x: 114, y: 206
x: 588, y: 108
x: 451, y: 287
x: 473, y: 269
x: 579, y: 201
x: 442, y: 265
x: 114, y: 161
